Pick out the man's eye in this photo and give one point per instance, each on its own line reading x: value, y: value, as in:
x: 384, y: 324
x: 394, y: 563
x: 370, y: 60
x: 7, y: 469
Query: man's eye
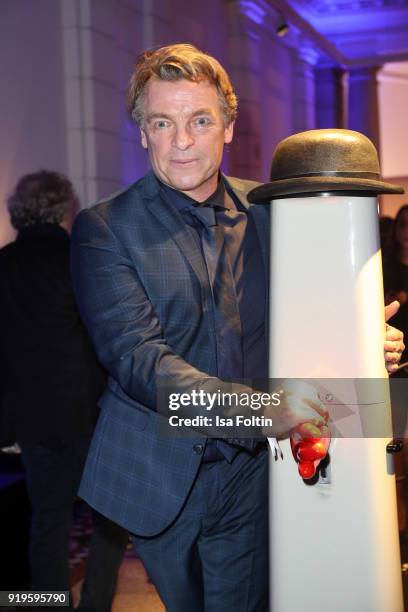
x: 202, y: 121
x: 161, y: 123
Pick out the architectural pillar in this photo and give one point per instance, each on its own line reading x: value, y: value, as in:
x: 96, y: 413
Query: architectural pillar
x: 99, y: 43
x: 303, y: 89
x: 328, y: 96
x: 362, y: 102
x: 243, y: 156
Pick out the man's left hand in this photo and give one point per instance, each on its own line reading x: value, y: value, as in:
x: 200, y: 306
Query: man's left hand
x: 394, y: 340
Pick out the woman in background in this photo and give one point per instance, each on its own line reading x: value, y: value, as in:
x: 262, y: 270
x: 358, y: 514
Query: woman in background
x: 396, y: 272
x: 395, y: 263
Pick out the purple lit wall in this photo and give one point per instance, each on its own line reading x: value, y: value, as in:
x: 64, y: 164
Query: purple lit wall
x: 65, y: 87
x: 32, y: 120
x: 393, y: 105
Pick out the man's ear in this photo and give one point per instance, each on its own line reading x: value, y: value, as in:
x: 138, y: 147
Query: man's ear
x: 143, y: 138
x: 229, y: 132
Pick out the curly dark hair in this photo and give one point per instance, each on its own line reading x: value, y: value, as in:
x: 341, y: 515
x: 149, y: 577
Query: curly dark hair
x: 41, y: 197
x: 397, y: 221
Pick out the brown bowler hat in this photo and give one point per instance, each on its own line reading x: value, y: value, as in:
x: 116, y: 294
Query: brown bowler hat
x: 323, y: 160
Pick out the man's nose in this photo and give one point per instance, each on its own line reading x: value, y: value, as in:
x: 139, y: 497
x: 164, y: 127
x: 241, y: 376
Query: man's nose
x: 182, y: 138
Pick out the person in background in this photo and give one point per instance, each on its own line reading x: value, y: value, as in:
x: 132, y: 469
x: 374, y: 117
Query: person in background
x: 386, y: 229
x: 50, y: 383
x: 395, y: 265
x: 396, y: 272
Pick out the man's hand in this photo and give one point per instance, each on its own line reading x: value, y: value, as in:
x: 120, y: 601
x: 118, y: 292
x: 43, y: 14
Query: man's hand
x: 299, y: 404
x: 394, y: 340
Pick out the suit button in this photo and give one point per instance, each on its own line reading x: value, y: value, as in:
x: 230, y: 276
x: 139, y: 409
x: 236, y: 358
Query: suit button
x: 198, y: 448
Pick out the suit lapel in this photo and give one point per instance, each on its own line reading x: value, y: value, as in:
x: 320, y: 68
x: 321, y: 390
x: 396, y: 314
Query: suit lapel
x: 173, y: 223
x: 260, y: 215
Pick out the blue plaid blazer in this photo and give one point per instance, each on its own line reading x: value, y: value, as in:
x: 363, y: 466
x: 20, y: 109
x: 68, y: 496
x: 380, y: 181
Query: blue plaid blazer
x: 143, y: 292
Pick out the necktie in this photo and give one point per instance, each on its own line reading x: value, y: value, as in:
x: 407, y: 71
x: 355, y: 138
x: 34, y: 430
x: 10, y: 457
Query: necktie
x: 228, y: 321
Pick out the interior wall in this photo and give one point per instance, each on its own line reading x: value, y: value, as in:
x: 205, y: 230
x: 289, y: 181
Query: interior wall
x: 32, y: 119
x: 390, y: 204
x: 276, y: 110
x: 66, y: 86
x: 100, y: 39
x: 393, y: 105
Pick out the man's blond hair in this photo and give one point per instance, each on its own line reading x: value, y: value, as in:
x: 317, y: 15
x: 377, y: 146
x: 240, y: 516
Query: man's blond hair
x: 175, y: 62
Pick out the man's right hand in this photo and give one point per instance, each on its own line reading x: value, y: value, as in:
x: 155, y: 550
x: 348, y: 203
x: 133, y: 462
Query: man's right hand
x: 299, y: 404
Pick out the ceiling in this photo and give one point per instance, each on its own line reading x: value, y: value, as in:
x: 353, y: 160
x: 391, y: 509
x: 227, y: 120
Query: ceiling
x: 351, y: 32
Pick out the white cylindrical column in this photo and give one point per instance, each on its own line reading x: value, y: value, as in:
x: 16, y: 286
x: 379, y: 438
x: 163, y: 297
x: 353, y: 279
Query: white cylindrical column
x: 334, y: 545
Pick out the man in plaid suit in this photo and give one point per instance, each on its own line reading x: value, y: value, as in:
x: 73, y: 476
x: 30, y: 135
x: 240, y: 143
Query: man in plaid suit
x: 148, y: 294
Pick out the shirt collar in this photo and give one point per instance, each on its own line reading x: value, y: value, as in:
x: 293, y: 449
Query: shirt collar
x: 181, y: 201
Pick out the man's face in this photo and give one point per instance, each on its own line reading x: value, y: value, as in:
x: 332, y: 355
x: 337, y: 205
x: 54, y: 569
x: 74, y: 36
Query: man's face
x: 184, y: 133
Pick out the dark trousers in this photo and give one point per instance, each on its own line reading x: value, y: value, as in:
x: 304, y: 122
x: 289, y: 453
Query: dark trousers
x: 53, y: 475
x: 108, y: 544
x: 215, y: 555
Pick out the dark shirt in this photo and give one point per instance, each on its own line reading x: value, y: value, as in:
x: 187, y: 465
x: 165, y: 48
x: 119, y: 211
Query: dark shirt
x: 248, y: 272
x: 50, y: 378
x: 247, y: 267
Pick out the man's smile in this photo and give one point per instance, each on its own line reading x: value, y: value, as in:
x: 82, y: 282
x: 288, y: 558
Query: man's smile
x: 183, y: 162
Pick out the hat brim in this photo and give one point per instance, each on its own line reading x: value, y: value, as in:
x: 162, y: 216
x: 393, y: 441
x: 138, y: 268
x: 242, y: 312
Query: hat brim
x: 317, y: 184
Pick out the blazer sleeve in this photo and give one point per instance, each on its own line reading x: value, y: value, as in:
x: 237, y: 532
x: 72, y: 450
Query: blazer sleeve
x: 124, y: 327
